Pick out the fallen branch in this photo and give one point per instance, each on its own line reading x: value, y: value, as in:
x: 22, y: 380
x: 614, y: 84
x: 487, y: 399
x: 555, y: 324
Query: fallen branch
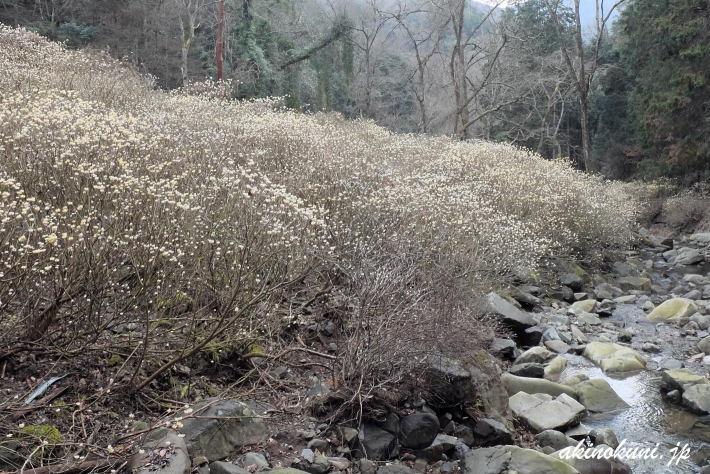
x: 71, y: 468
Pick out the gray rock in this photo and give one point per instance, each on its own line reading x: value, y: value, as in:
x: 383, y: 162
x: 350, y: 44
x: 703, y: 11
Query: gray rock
x: 538, y: 355
x: 367, y: 466
x: 634, y: 283
x: 597, y: 466
x: 223, y: 467
x: 418, y: 430
x: 224, y: 425
x: 339, y: 463
x: 256, y: 459
x: 558, y: 347
x: 394, y: 469
x: 554, y: 439
x: 528, y: 369
x: 508, y: 459
x: 515, y: 384
x: 319, y: 444
x: 540, y: 415
x: 391, y: 424
x: 578, y: 432
x: 681, y: 379
x: 670, y: 364
x: 608, y: 437
x: 559, y: 320
x: 626, y: 335
x: 628, y: 299
x: 375, y: 443
x: 650, y: 347
x: 434, y: 452
x: 176, y: 459
x: 503, y: 348
x: 279, y: 372
x: 597, y: 396
x: 588, y: 319
x: 508, y: 314
x: 688, y: 256
x: 648, y: 306
x: 697, y: 398
x: 308, y: 455
x: 574, y: 282
x: 318, y: 389
x: 327, y: 328
x: 703, y: 322
x: 704, y: 345
x: 693, y: 295
x: 490, y: 432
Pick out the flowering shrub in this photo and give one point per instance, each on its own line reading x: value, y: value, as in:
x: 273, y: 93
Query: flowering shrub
x: 184, y: 210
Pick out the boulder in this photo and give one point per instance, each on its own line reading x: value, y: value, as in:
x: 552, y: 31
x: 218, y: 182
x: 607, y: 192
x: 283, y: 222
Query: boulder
x: 541, y: 415
x: 507, y: 459
x: 554, y: 439
x: 585, y: 306
x: 555, y: 367
x: 697, y: 398
x: 597, y: 396
x: 572, y: 281
x: 490, y: 432
x: 175, y: 459
x: 515, y: 384
x: 589, y: 319
x: 503, y: 348
x: 418, y: 430
x: 375, y: 443
x: 537, y: 354
x: 693, y: 295
x: 224, y: 425
x: 594, y: 465
x: 614, y: 358
x: 608, y: 437
x: 681, y: 379
x: 634, y: 283
x: 688, y: 256
x: 700, y: 237
x: 704, y: 345
x: 509, y: 315
x: 442, y: 444
x: 558, y: 346
x: 528, y: 369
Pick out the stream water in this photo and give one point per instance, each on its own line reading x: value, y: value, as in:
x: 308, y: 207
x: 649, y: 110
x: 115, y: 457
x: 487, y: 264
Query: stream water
x: 651, y: 418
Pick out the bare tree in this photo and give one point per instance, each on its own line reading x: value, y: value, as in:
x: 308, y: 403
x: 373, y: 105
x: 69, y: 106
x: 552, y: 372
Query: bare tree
x: 425, y: 43
x: 188, y: 12
x: 581, y: 67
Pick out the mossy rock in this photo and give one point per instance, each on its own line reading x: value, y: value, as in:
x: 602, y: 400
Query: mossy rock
x: 48, y: 433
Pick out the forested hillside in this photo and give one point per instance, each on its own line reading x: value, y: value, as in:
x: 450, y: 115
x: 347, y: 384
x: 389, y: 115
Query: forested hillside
x: 627, y: 98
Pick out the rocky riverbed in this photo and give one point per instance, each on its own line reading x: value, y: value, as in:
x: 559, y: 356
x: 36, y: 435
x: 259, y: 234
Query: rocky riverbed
x: 618, y: 359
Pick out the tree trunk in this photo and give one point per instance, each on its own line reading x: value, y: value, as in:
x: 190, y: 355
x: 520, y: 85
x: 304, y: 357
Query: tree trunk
x: 586, y: 152
x: 220, y: 41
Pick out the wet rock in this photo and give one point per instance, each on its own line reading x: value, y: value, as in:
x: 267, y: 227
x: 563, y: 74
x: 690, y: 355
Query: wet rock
x: 418, y: 430
x: 575, y: 379
x: 613, y: 358
x: 608, y: 437
x: 509, y: 459
x: 508, y: 314
x: 578, y: 432
x: 375, y: 443
x: 538, y: 355
x: 515, y: 384
x: 224, y: 425
x: 541, y: 415
x: 681, y: 379
x: 555, y: 367
x: 670, y: 364
x: 597, y: 396
x: 574, y: 282
x: 490, y: 432
x: 558, y: 347
x: 528, y: 369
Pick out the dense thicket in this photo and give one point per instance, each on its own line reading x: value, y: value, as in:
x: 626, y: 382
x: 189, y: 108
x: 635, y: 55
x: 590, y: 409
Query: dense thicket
x: 626, y: 98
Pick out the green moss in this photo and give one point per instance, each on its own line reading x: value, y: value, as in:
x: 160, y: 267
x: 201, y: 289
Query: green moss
x: 47, y: 433
x: 115, y: 360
